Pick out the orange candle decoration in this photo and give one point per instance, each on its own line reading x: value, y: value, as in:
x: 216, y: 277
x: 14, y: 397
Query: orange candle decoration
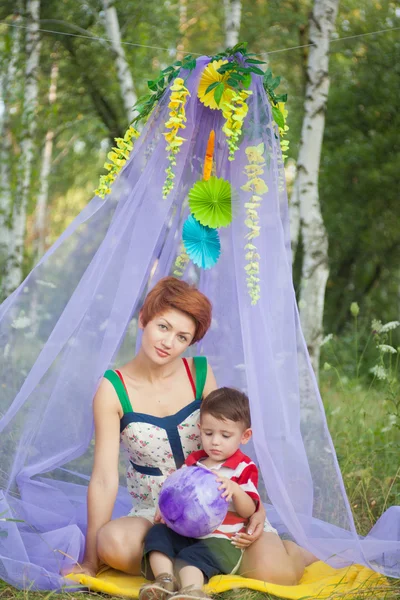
x: 208, y: 160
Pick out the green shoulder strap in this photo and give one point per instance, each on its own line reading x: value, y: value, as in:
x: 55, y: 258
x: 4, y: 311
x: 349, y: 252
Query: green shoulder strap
x: 120, y: 389
x: 200, y: 365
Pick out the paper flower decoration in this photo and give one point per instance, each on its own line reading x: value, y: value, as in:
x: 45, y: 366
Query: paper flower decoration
x: 208, y: 159
x: 234, y: 110
x: 201, y: 243
x: 208, y: 77
x: 257, y: 187
x: 211, y: 202
x: 255, y: 154
x: 118, y: 157
x: 176, y: 121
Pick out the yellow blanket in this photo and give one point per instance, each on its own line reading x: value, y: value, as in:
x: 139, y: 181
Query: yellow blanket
x: 319, y: 581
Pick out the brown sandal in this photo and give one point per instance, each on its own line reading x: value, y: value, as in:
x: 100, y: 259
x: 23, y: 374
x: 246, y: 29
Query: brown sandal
x: 191, y: 593
x: 162, y: 588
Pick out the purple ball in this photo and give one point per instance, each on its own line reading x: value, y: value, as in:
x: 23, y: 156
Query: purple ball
x: 190, y: 502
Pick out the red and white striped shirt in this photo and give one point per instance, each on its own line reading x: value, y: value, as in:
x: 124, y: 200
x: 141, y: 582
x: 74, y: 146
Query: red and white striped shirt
x: 240, y: 469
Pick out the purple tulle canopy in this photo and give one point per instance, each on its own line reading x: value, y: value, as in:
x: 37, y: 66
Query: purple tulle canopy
x: 76, y: 313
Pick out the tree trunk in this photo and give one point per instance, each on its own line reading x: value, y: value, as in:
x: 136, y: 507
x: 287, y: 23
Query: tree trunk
x: 294, y: 216
x: 33, y: 43
x: 233, y: 13
x: 315, y: 242
x: 40, y: 227
x: 123, y: 70
x: 8, y: 89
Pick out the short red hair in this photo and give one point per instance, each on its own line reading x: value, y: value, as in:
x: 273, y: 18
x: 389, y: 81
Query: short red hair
x: 170, y: 292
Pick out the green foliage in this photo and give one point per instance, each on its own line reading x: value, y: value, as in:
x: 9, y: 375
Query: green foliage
x: 146, y: 103
x: 359, y: 167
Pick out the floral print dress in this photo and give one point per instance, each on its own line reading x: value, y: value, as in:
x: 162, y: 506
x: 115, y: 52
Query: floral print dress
x: 157, y: 446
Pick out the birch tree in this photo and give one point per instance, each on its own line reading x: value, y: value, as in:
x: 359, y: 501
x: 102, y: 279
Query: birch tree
x: 315, y: 269
x: 8, y: 90
x: 233, y: 14
x: 124, y: 74
x: 16, y: 246
x: 42, y: 198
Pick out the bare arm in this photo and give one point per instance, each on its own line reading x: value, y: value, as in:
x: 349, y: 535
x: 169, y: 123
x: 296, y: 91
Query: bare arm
x: 243, y: 504
x: 103, y: 486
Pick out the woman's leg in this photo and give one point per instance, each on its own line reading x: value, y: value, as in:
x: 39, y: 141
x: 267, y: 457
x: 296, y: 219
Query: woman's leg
x: 271, y: 559
x: 120, y: 543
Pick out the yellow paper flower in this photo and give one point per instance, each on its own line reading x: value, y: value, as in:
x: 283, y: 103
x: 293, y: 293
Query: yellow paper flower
x: 209, y: 76
x: 257, y: 186
x: 283, y: 130
x: 176, y: 121
x: 234, y: 111
x: 255, y: 154
x: 181, y: 262
x: 118, y: 157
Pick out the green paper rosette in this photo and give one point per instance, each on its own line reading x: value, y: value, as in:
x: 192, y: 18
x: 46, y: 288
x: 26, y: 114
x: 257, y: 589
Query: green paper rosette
x: 211, y: 202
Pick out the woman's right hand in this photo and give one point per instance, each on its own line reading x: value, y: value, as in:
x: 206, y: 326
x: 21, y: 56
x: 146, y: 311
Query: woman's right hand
x: 84, y: 568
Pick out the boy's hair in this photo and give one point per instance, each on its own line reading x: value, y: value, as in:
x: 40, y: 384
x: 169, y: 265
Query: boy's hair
x: 171, y: 292
x: 227, y: 403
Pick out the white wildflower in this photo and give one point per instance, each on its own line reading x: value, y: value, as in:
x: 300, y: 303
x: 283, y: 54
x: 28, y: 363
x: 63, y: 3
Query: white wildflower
x: 376, y: 325
x: 392, y: 422
x: 379, y: 372
x: 327, y: 339
x: 389, y: 326
x: 385, y: 348
x: 21, y: 322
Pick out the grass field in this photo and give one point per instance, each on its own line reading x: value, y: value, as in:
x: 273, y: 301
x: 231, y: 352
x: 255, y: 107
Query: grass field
x: 365, y: 429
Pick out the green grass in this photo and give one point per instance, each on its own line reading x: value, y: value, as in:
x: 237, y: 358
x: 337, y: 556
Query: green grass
x: 367, y: 442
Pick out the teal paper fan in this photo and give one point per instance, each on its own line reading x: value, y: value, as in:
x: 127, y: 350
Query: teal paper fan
x: 201, y: 243
x: 211, y: 202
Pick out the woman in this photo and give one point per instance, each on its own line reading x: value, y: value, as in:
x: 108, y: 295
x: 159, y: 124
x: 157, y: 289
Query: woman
x: 152, y: 406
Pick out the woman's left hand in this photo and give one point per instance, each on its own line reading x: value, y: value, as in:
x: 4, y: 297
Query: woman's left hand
x: 254, y: 530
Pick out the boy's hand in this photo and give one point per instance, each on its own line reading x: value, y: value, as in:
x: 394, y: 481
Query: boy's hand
x: 230, y: 488
x: 158, y: 518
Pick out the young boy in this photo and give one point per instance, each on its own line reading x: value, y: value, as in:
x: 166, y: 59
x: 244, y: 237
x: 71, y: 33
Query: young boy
x: 224, y: 425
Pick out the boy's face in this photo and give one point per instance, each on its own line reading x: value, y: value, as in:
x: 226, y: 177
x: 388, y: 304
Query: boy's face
x: 222, y: 437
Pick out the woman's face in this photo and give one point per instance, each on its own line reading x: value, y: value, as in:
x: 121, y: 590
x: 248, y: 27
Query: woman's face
x: 167, y: 335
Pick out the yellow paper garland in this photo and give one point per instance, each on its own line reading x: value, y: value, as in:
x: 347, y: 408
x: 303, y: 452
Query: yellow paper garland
x: 257, y: 186
x: 176, y: 121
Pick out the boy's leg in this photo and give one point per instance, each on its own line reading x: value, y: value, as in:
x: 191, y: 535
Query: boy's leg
x: 200, y: 561
x: 160, y: 548
x: 160, y: 563
x: 190, y: 575
x: 211, y: 556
